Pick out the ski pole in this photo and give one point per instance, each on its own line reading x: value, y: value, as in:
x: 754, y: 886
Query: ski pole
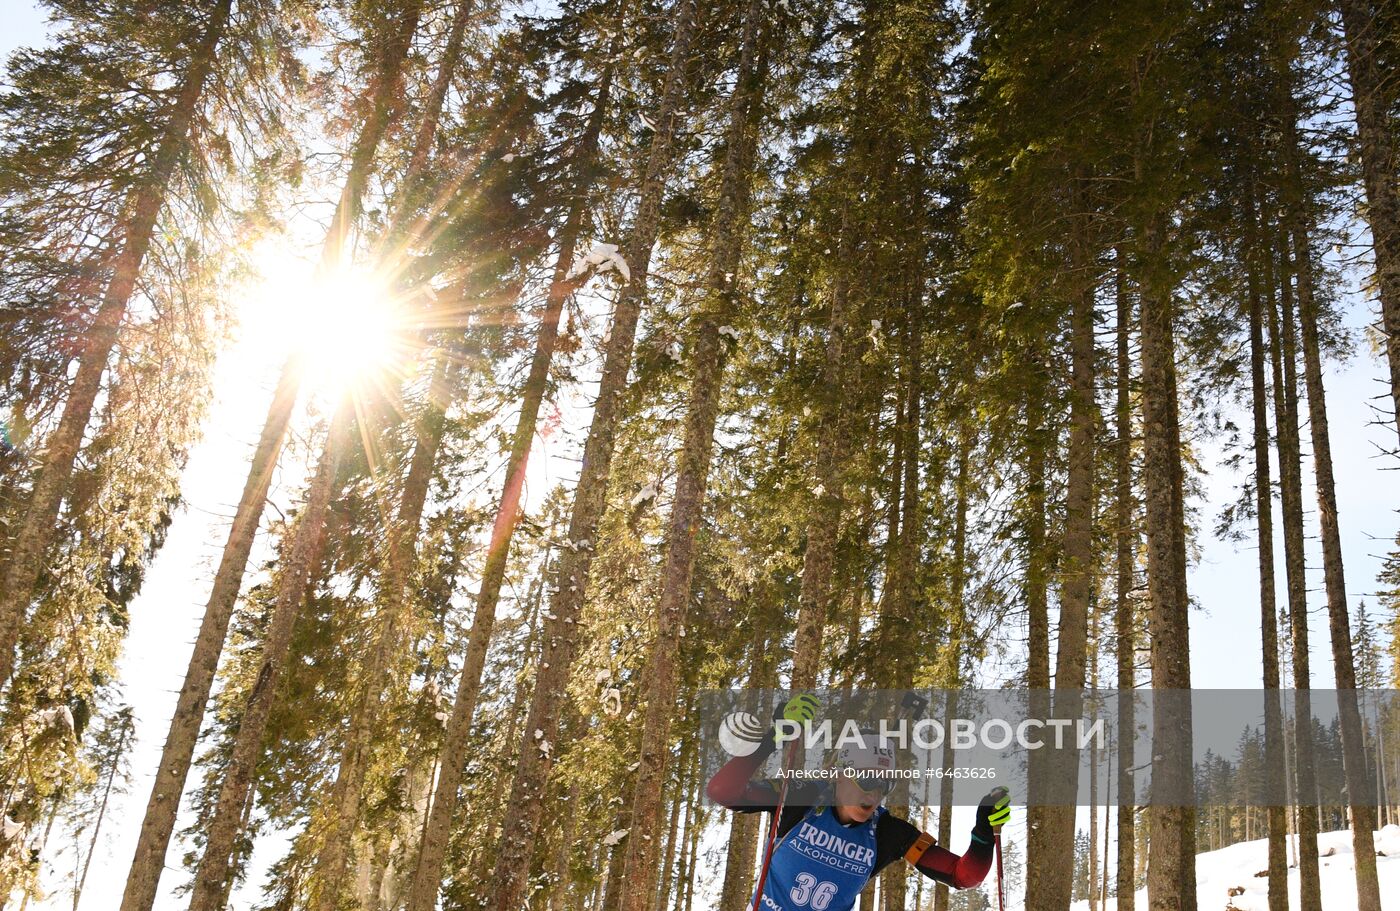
x: 773, y: 826
x: 995, y: 797
x: 1001, y: 889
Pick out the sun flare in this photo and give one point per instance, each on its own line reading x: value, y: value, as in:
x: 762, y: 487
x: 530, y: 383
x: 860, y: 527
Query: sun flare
x: 349, y: 327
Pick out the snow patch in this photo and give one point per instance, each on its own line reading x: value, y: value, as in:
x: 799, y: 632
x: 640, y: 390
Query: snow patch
x: 601, y: 257
x: 1227, y: 878
x: 646, y: 493
x: 612, y: 701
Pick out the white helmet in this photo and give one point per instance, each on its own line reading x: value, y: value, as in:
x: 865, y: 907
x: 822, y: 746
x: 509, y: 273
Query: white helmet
x: 871, y: 754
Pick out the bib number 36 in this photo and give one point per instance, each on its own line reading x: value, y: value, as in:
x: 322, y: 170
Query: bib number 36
x: 812, y: 893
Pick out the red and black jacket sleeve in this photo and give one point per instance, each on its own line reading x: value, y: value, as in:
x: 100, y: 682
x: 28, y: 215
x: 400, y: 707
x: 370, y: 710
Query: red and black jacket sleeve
x: 733, y: 786
x: 896, y: 838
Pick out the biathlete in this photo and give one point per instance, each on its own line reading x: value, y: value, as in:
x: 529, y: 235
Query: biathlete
x: 833, y: 839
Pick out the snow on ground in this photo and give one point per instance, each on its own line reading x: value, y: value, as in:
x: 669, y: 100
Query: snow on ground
x: 1218, y: 873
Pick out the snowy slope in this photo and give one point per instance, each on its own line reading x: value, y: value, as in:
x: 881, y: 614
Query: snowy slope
x: 1218, y: 872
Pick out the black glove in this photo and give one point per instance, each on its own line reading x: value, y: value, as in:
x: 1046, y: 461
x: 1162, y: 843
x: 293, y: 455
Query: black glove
x: 992, y: 814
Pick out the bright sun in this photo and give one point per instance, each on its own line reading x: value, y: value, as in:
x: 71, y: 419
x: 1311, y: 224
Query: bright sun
x: 349, y: 326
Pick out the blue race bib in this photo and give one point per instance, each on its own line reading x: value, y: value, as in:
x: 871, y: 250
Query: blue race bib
x: 821, y: 865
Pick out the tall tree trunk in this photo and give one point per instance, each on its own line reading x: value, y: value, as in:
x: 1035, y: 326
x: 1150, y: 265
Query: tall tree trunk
x: 1050, y: 872
x: 343, y: 803
x: 429, y: 872
x: 408, y: 196
x: 657, y: 895
x: 1380, y: 162
x: 675, y: 868
x: 1037, y: 562
x: 1268, y: 598
x: 613, y: 884
x: 945, y: 785
x: 1171, y: 875
x: 437, y: 96
x: 159, y: 821
x: 824, y: 523
x: 744, y: 827
x: 692, y: 852
x: 213, y: 878
x: 908, y: 545
x: 956, y: 622
x: 1107, y: 839
x: 1093, y: 888
x: 702, y: 410
x: 1036, y: 588
x: 178, y: 752
x: 560, y: 636
x: 1358, y: 782
x: 1290, y: 483
x: 911, y: 522
x: 1125, y: 626
x: 39, y: 519
x: 386, y: 99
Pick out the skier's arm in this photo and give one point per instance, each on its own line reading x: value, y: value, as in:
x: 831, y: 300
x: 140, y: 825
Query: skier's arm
x: 731, y: 785
x: 961, y: 871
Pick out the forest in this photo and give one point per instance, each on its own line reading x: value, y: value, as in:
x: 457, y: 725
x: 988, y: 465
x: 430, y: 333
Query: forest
x: 562, y: 361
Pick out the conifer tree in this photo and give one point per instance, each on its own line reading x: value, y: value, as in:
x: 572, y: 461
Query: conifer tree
x: 1374, y: 98
x: 152, y: 144
x: 588, y: 498
x: 709, y: 356
x: 1339, y: 619
x: 385, y: 65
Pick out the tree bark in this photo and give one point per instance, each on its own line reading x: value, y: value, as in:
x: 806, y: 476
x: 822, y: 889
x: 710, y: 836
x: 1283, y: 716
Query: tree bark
x: 1268, y: 598
x: 178, y: 753
x: 941, y: 892
x: 1050, y: 871
x: 1291, y: 482
x: 386, y: 98
x: 1380, y: 162
x: 429, y: 872
x: 1125, y: 625
x: 39, y: 518
x: 340, y: 820
x: 128, y: 725
x: 744, y: 827
x: 1171, y: 875
x: 213, y: 878
x: 560, y: 642
x: 908, y: 545
x: 407, y: 195
x: 1036, y: 590
x: 437, y: 96
x: 692, y: 850
x: 1358, y: 781
x: 824, y: 523
x: 956, y: 621
x: 711, y: 355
